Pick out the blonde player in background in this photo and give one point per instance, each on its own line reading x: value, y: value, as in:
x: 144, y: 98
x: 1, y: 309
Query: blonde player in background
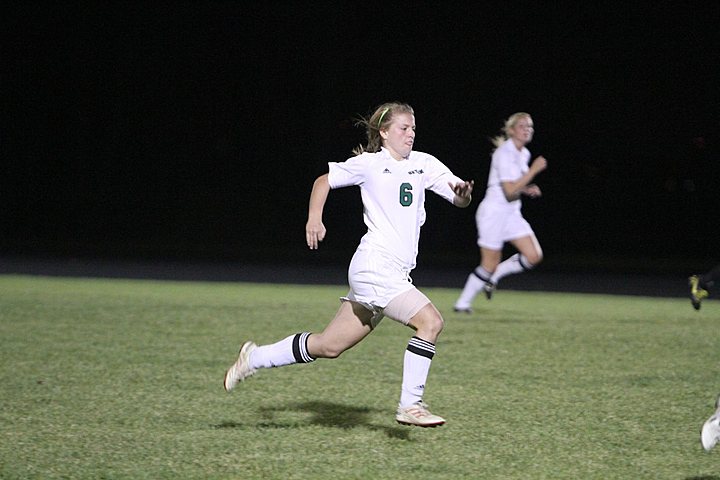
x: 499, y: 219
x: 392, y: 180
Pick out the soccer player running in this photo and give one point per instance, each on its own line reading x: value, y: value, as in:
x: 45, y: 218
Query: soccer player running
x: 499, y: 218
x: 392, y: 180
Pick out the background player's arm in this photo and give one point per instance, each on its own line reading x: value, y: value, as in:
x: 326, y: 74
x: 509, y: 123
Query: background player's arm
x: 513, y: 190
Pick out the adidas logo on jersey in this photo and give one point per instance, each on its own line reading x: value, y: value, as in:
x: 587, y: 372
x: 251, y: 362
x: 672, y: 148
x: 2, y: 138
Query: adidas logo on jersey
x: 386, y: 171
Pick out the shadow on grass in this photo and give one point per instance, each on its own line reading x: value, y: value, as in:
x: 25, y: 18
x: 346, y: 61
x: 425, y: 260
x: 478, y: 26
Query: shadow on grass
x: 704, y: 477
x: 325, y: 414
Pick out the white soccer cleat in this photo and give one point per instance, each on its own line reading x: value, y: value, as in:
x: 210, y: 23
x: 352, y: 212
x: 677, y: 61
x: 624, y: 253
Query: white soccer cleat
x: 418, y: 415
x: 240, y: 369
x: 710, y: 433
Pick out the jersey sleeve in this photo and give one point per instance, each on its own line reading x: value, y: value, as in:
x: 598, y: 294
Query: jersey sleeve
x: 507, y: 169
x: 438, y: 179
x: 348, y: 173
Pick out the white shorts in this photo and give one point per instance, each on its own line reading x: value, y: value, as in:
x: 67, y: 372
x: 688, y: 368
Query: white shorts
x: 382, y: 286
x: 495, y: 227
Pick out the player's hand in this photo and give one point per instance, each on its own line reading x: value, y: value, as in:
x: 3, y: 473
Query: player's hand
x: 314, y: 234
x: 463, y: 189
x: 463, y: 193
x: 538, y: 165
x: 532, y: 191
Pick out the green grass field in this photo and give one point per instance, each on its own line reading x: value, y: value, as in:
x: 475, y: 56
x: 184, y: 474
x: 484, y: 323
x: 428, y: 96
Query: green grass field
x: 121, y: 379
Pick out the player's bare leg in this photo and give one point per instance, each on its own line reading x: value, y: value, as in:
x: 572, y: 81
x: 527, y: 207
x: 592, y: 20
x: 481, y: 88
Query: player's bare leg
x: 351, y: 324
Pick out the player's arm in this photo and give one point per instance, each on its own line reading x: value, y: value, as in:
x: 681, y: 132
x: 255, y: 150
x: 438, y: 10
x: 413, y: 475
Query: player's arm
x: 314, y: 229
x: 513, y: 190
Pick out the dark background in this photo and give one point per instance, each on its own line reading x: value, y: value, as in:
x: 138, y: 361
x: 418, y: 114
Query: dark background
x: 194, y: 130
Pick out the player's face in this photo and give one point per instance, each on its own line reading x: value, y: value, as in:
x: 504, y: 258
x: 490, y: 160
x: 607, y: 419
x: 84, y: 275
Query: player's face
x: 522, y: 132
x: 400, y: 135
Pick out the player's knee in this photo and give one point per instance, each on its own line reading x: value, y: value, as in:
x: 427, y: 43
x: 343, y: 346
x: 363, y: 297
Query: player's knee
x: 437, y: 325
x: 530, y: 260
x: 490, y: 267
x: 535, y: 259
x: 431, y: 325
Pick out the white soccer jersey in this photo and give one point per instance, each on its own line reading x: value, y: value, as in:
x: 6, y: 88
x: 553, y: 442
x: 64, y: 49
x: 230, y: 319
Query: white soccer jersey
x: 393, y: 196
x: 508, y: 165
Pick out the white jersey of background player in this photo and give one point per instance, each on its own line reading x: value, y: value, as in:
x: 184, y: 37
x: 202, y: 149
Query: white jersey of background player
x: 392, y: 180
x: 508, y: 164
x: 498, y: 218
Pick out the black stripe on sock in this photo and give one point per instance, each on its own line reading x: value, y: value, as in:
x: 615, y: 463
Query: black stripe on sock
x: 480, y: 276
x: 421, y: 347
x: 299, y: 348
x: 525, y: 267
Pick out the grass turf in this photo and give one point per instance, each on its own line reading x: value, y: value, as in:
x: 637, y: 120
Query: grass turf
x: 121, y: 379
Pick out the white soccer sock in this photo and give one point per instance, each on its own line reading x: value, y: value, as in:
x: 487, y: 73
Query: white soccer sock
x: 473, y: 285
x: 287, y: 351
x: 416, y: 366
x: 515, y: 264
